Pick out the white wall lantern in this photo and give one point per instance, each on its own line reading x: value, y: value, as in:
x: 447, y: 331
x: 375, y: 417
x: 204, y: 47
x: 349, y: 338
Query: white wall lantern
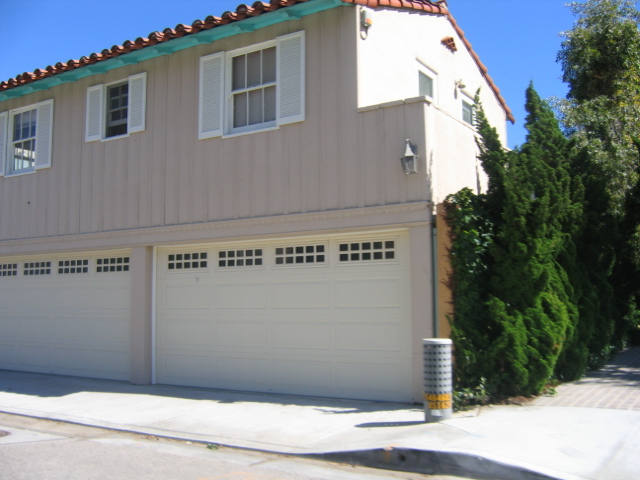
x: 409, y: 159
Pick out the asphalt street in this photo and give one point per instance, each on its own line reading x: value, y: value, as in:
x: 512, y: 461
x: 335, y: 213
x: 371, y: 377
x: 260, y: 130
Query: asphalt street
x: 50, y: 450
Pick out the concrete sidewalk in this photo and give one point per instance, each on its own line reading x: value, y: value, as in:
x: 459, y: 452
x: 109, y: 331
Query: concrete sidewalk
x: 510, y: 442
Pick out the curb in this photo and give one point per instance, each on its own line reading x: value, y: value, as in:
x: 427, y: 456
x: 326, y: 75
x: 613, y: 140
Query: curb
x: 429, y: 462
x: 432, y: 462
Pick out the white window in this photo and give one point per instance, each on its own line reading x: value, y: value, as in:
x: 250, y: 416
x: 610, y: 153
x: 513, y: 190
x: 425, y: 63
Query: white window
x: 253, y: 88
x: 426, y: 81
x: 25, y: 139
x: 116, y: 109
x: 425, y: 85
x: 467, y: 111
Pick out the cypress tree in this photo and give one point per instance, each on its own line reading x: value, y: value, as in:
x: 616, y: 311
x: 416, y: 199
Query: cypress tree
x: 471, y: 227
x: 529, y: 299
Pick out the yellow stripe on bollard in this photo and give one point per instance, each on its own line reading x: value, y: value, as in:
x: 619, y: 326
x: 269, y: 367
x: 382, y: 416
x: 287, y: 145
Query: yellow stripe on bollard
x: 438, y: 402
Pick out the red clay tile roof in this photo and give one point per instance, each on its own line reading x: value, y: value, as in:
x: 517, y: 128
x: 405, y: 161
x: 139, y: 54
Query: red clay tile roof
x: 435, y: 6
x: 242, y: 12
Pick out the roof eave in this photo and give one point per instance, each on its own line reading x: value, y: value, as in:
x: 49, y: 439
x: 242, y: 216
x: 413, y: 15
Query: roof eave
x: 165, y: 43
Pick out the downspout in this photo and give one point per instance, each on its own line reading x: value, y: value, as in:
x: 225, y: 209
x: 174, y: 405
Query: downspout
x: 434, y: 272
x: 154, y: 270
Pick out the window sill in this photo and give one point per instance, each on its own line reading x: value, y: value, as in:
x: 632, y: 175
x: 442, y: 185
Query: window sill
x: 20, y: 173
x: 116, y: 137
x: 249, y: 132
x: 395, y: 103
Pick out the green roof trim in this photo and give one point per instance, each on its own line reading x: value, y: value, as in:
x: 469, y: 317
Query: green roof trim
x: 251, y: 24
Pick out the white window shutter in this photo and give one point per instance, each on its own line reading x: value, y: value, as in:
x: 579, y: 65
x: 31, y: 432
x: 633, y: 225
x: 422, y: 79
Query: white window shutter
x: 4, y: 140
x: 44, y: 128
x: 95, y: 119
x: 137, y: 102
x: 211, y: 104
x: 291, y: 78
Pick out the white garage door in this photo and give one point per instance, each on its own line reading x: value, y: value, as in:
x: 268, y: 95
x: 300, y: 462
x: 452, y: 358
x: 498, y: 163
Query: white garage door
x: 313, y: 316
x: 67, y: 315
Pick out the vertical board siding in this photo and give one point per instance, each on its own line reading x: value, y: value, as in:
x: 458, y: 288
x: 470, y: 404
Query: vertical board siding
x: 86, y: 170
x: 173, y: 163
x: 75, y: 175
x: 63, y: 164
x: 337, y: 158
x: 154, y: 168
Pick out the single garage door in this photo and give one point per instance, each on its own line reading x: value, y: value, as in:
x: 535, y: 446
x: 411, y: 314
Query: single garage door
x: 67, y: 315
x: 323, y: 316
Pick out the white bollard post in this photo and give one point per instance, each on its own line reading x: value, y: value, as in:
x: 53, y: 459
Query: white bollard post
x: 438, y: 384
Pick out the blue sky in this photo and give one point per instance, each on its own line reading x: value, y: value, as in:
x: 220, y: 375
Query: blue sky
x: 516, y: 39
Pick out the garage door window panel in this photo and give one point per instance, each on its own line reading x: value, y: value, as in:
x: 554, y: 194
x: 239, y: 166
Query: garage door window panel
x: 37, y: 268
x: 252, y: 257
x: 72, y: 267
x: 112, y: 265
x: 300, y: 255
x: 376, y: 251
x: 187, y: 261
x: 9, y: 270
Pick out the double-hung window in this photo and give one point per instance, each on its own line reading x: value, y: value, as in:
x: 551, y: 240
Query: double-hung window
x: 116, y: 109
x: 25, y: 139
x: 253, y: 88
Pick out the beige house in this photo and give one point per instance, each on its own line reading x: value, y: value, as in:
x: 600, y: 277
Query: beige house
x: 224, y: 204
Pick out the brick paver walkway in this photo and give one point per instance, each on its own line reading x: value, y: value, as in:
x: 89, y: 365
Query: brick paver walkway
x: 617, y: 385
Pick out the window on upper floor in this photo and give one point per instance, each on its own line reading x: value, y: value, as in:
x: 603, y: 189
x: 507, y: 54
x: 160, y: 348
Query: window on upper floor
x: 25, y: 139
x: 253, y: 88
x: 425, y: 84
x: 116, y: 109
x: 426, y: 81
x: 467, y: 112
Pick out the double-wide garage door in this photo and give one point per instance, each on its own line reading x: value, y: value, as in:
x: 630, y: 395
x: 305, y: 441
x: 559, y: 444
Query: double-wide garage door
x: 66, y: 314
x: 315, y: 316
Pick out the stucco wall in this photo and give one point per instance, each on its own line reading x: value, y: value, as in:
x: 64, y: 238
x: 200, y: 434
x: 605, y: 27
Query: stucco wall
x: 390, y: 55
x: 400, y: 43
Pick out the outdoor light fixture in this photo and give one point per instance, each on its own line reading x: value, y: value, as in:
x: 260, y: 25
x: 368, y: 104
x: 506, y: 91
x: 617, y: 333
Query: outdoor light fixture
x: 409, y: 159
x: 366, y: 22
x: 460, y: 84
